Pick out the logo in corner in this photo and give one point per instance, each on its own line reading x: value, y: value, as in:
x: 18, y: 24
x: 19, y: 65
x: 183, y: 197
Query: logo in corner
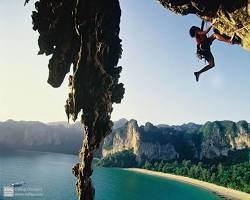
x: 8, y: 191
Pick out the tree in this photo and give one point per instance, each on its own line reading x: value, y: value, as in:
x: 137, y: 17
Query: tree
x: 147, y: 165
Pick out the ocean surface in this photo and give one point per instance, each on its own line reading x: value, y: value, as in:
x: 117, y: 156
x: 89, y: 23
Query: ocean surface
x: 48, y: 176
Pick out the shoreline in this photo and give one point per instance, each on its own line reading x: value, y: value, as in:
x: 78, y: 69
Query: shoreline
x: 218, y: 190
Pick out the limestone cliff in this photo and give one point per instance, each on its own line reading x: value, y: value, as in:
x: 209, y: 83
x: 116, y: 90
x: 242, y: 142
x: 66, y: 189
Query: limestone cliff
x: 218, y: 138
x: 130, y: 137
x: 83, y: 35
x: 123, y: 138
x: 189, y: 141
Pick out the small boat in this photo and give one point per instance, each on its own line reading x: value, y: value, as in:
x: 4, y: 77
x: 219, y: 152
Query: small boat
x: 17, y: 184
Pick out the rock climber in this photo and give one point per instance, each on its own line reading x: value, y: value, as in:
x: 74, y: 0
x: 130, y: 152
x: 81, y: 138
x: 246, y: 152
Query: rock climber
x: 204, y: 43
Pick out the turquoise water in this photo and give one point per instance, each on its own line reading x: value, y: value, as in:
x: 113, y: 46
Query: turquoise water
x: 48, y: 177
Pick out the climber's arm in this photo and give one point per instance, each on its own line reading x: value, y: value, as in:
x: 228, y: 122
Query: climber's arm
x: 202, y: 25
x: 208, y: 29
x: 26, y: 1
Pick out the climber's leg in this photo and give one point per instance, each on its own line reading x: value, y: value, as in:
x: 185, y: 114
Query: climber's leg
x: 209, y: 57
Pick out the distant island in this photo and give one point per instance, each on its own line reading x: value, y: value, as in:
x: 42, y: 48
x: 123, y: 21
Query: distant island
x: 37, y: 136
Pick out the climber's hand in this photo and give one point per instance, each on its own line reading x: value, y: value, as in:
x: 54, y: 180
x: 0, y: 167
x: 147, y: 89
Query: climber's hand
x: 26, y: 1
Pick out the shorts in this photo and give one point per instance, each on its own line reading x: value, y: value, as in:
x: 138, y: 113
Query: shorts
x: 208, y: 55
x: 206, y: 50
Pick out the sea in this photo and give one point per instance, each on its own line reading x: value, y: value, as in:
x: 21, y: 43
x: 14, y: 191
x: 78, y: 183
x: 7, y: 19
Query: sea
x: 48, y: 176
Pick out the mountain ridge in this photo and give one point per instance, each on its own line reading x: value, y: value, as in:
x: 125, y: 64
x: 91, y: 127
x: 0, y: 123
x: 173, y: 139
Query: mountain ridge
x: 60, y: 137
x: 187, y: 141
x: 160, y: 142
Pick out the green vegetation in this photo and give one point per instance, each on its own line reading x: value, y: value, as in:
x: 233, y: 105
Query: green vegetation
x: 232, y: 171
x: 236, y: 176
x: 194, y: 142
x: 124, y: 159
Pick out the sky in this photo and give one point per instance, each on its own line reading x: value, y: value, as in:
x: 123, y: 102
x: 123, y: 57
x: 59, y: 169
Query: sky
x: 158, y: 63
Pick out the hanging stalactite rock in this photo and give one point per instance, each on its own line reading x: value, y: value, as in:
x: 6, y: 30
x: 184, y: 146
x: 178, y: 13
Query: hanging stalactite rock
x: 84, y: 34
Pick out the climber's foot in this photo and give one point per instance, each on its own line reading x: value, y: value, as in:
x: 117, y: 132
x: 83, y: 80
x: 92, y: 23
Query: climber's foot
x: 235, y: 40
x: 197, y: 75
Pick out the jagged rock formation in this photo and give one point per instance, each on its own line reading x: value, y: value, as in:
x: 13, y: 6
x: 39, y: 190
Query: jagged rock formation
x: 218, y: 138
x: 119, y: 123
x: 125, y: 137
x: 188, y: 141
x: 230, y: 17
x: 84, y: 34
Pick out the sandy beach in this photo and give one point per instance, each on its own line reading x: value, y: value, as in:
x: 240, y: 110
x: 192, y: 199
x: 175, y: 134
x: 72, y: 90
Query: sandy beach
x: 221, y: 191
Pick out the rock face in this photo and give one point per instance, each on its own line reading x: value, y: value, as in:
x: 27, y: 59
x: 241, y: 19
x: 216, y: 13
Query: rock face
x: 126, y: 137
x: 218, y: 138
x: 229, y: 17
x: 83, y: 34
x: 188, y: 141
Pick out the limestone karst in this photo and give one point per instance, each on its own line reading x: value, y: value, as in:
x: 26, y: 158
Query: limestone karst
x: 83, y: 35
